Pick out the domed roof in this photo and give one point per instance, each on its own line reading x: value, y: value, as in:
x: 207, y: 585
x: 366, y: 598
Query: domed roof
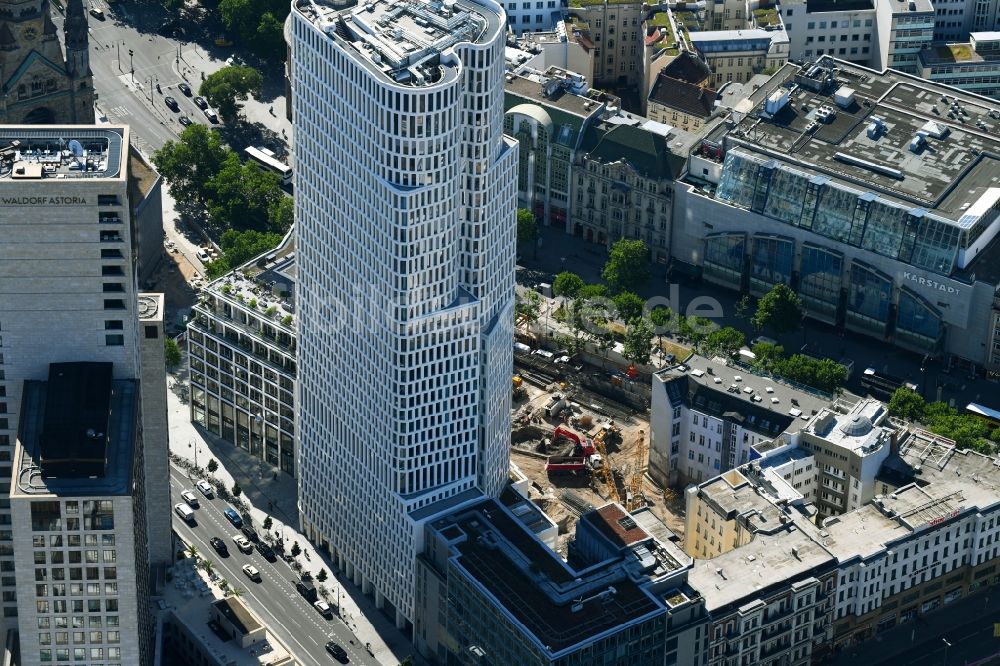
x: 535, y: 112
x: 857, y: 426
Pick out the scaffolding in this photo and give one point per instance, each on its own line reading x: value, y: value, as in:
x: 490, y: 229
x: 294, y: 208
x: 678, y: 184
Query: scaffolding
x: 636, y: 498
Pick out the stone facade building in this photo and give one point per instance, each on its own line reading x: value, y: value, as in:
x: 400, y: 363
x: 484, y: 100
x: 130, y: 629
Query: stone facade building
x: 43, y: 83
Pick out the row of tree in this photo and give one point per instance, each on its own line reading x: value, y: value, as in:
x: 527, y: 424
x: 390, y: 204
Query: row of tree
x: 968, y: 430
x: 823, y: 374
x: 259, y: 25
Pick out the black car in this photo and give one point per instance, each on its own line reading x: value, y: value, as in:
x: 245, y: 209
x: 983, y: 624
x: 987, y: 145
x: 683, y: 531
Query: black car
x: 265, y: 551
x: 220, y: 546
x: 201, y: 102
x: 337, y: 652
x: 184, y: 88
x: 250, y: 533
x: 184, y: 120
x: 171, y: 103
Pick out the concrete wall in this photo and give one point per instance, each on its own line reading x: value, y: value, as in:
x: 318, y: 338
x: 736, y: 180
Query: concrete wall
x: 155, y: 450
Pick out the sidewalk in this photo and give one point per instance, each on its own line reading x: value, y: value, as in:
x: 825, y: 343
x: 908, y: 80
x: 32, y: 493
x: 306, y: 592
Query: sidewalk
x: 278, y: 496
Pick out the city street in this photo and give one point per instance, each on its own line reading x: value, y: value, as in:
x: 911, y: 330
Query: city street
x: 288, y: 615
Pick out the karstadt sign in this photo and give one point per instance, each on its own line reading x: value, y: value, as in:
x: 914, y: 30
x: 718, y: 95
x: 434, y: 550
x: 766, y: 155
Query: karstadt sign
x: 932, y: 284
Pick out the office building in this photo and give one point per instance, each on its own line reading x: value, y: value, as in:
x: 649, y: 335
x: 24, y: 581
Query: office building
x: 70, y: 295
x: 405, y: 246
x: 616, y: 29
x: 491, y: 592
x: 567, y: 46
x: 739, y: 55
x: 882, y: 217
x: 47, y: 82
x: 707, y: 417
x: 241, y: 357
x: 973, y: 65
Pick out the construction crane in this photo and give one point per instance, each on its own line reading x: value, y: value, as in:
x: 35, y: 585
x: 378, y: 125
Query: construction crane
x: 609, y: 478
x: 636, y: 500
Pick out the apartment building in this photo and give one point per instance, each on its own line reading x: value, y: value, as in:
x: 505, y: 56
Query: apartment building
x: 616, y: 29
x: 406, y: 196
x: 533, y: 15
x: 679, y: 95
x: 973, y: 65
x: 70, y: 254
x: 739, y: 55
x: 241, y: 357
x: 834, y: 229
x: 495, y: 594
x: 568, y: 46
x: 707, y: 417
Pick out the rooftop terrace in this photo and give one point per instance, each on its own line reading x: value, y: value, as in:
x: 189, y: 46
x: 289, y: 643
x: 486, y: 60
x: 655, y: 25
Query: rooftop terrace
x: 405, y: 40
x: 857, y: 430
x: 35, y: 152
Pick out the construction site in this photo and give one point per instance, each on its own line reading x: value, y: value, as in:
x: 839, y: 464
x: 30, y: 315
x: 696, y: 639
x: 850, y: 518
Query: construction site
x: 580, y: 435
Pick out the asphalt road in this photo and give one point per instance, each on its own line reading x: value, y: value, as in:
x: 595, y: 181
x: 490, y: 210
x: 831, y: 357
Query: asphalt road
x: 275, y: 600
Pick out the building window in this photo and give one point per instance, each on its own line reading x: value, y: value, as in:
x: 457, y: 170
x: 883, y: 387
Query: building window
x: 152, y: 332
x: 114, y: 340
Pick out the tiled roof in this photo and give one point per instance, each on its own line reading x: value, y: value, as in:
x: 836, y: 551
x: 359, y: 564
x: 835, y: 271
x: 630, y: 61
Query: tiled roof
x: 683, y: 96
x: 643, y: 150
x: 687, y: 67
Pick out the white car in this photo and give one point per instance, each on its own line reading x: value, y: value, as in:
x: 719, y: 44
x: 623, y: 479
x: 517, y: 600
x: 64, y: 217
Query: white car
x: 243, y: 543
x: 323, y: 608
x: 206, y: 488
x: 202, y: 255
x: 190, y: 498
x: 251, y: 572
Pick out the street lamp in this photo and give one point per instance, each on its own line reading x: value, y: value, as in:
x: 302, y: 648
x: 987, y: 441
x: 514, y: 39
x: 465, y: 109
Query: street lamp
x: 190, y: 445
x: 131, y: 66
x: 118, y: 49
x: 946, y: 646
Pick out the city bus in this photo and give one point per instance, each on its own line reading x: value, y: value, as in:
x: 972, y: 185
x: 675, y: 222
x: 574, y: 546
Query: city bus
x: 882, y: 385
x: 266, y: 160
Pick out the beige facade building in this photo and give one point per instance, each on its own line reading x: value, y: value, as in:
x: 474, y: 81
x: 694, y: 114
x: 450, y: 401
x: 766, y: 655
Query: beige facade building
x: 616, y: 29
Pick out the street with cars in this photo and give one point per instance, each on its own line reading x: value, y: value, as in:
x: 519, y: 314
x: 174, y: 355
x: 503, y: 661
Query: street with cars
x: 306, y: 624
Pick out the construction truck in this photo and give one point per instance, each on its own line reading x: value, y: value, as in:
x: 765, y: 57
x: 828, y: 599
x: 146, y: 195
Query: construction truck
x: 583, y: 446
x: 560, y: 465
x: 519, y: 392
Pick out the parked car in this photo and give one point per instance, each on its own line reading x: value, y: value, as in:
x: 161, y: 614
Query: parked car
x: 97, y: 13
x: 337, y: 652
x: 211, y: 115
x: 201, y: 102
x: 184, y: 88
x: 324, y: 609
x: 190, y: 498
x: 220, y: 546
x: 184, y: 120
x: 171, y: 104
x: 243, y: 543
x: 307, y: 590
x: 250, y: 533
x: 206, y: 488
x: 233, y: 517
x: 251, y: 572
x: 185, y: 512
x: 202, y: 255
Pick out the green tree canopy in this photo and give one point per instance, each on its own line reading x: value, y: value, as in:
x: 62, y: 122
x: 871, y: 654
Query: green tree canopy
x: 592, y: 291
x: 527, y: 226
x: 629, y: 305
x: 725, y: 341
x: 767, y: 356
x: 171, y: 352
x: 636, y: 346
x: 662, y: 318
x: 242, y: 246
x: 528, y: 306
x: 258, y: 23
x: 191, y: 162
x: 244, y: 197
x: 780, y: 309
x: 907, y: 404
x: 228, y: 86
x: 627, y: 266
x: 567, y: 284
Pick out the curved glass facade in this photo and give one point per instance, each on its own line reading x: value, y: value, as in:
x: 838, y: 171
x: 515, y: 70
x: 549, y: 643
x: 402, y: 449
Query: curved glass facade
x: 918, y: 324
x: 836, y: 211
x: 820, y: 279
x: 770, y: 263
x: 868, y: 298
x: 724, y: 259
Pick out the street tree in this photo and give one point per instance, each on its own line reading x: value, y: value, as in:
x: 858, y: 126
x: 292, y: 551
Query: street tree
x: 725, y: 342
x: 592, y: 292
x: 258, y: 23
x: 227, y: 87
x: 567, y: 284
x: 767, y: 357
x: 636, y: 346
x: 322, y: 575
x: 527, y: 226
x: 242, y: 246
x: 629, y: 305
x: 627, y: 267
x: 295, y: 549
x: 212, y: 466
x: 171, y: 352
x: 191, y: 162
x: 780, y: 309
x: 743, y: 307
x: 192, y: 550
x: 237, y: 490
x: 267, y: 524
x: 907, y: 404
x: 527, y: 308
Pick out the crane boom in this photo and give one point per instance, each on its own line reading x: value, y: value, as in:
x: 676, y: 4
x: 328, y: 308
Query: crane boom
x: 609, y: 478
x: 636, y: 499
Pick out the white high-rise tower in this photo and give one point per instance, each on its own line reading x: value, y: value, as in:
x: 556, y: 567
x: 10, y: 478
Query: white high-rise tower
x: 405, y: 207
